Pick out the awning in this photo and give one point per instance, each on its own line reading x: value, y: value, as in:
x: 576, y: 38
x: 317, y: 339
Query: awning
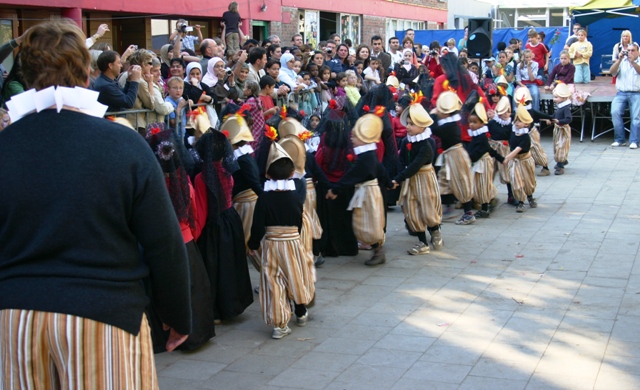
x: 598, y: 9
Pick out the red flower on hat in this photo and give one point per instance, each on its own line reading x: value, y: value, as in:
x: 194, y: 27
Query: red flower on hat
x: 305, y: 135
x: 432, y: 74
x: 379, y: 111
x: 283, y: 112
x: 351, y: 157
x: 440, y: 150
x: 488, y: 135
x: 492, y: 92
x: 301, y: 112
x: 271, y: 133
x: 392, y: 89
x: 154, y: 130
x: 505, y: 143
x: 409, y: 146
x: 333, y: 104
x: 366, y: 108
x: 225, y: 133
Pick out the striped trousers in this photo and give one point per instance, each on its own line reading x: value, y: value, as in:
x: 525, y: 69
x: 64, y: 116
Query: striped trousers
x: 523, y: 176
x: 483, y: 188
x: 538, y: 154
x: 561, y: 143
x: 454, y: 176
x: 368, y: 220
x: 42, y: 350
x: 420, y: 200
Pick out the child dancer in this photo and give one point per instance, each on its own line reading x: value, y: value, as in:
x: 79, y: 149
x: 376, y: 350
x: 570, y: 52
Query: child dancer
x: 420, y: 195
x: 278, y: 219
x: 367, y: 204
x: 561, y: 131
x: 481, y: 153
x: 454, y: 176
x: 221, y: 241
x: 523, y: 97
x: 246, y: 183
x: 520, y: 163
x: 500, y: 130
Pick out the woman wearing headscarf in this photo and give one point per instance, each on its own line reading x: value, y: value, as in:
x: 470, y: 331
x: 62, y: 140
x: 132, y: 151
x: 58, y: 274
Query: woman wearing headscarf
x: 456, y: 79
x: 166, y: 54
x: 287, y: 75
x: 218, y: 81
x: 194, y: 88
x: 406, y: 72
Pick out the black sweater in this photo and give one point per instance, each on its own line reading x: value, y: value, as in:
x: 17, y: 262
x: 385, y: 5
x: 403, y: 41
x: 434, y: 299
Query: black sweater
x: 411, y: 161
x: 79, y: 195
x: 247, y: 176
x: 523, y: 141
x: 275, y: 208
x: 366, y: 167
x: 563, y: 115
x: 478, y: 146
x: 499, y: 132
x: 449, y: 133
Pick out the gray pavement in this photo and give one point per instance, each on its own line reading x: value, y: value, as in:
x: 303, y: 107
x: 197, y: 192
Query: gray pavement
x: 548, y: 299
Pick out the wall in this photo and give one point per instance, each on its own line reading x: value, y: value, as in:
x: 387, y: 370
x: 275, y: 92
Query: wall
x: 423, y: 10
x: 466, y: 9
x: 372, y: 25
x: 287, y: 26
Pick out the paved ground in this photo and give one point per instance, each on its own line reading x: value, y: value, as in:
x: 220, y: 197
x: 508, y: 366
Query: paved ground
x: 548, y: 299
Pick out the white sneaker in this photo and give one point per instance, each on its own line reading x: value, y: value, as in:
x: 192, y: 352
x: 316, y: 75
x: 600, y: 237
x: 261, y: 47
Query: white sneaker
x: 302, y: 321
x: 633, y: 145
x: 279, y: 333
x: 615, y: 144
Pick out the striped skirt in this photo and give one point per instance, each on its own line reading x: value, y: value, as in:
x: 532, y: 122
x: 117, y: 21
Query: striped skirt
x: 283, y: 275
x: 420, y: 200
x: 245, y: 203
x: 454, y: 176
x: 310, y: 204
x: 538, y: 154
x: 561, y: 143
x: 502, y: 147
x: 306, y: 239
x: 523, y: 176
x: 368, y: 213
x: 484, y: 190
x: 43, y: 350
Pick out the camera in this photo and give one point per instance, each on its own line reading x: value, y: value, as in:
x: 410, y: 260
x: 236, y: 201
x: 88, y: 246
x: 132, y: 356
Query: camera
x: 625, y: 53
x: 184, y: 28
x: 229, y: 72
x: 329, y: 51
x: 433, y: 52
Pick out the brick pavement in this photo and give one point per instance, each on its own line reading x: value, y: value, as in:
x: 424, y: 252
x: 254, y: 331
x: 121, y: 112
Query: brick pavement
x: 548, y: 299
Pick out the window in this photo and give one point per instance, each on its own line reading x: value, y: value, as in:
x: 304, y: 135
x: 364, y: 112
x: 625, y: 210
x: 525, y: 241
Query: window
x: 556, y: 17
x: 350, y: 28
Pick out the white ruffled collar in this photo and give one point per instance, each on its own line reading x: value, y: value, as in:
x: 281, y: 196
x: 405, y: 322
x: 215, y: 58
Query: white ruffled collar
x: 241, y: 151
x: 420, y: 137
x: 475, y: 133
x: 297, y: 175
x: 364, y: 148
x: 564, y: 104
x: 279, y: 185
x: 32, y: 101
x: 528, y: 107
x: 524, y: 130
x: 502, y: 122
x: 453, y: 118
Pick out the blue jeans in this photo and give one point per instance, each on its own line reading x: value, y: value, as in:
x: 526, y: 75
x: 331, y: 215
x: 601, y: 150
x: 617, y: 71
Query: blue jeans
x: 535, y: 96
x: 583, y: 74
x: 618, y: 105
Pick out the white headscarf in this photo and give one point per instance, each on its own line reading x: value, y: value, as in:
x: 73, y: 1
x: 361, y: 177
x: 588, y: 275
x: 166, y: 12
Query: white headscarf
x: 190, y: 67
x: 210, y: 78
x: 406, y: 66
x: 286, y: 57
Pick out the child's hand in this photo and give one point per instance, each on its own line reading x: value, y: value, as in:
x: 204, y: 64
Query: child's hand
x: 252, y: 252
x: 331, y: 195
x: 491, y: 114
x: 557, y: 122
x: 395, y: 184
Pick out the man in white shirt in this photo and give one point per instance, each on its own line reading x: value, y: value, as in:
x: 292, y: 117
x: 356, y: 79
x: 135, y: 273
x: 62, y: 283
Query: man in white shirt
x: 395, y: 52
x: 627, y: 71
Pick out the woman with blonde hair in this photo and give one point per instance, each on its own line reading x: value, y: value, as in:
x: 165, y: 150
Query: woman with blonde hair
x: 625, y: 40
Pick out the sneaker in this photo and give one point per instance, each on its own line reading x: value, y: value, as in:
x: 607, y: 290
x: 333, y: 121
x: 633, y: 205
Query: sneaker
x: 466, y: 219
x: 302, y: 321
x: 449, y: 213
x: 520, y: 207
x: 436, y: 239
x: 559, y: 171
x: 544, y: 172
x: 482, y: 214
x: 494, y: 203
x: 615, y: 144
x: 378, y: 257
x: 512, y: 201
x: 419, y: 249
x: 633, y: 145
x: 319, y: 261
x: 279, y: 333
x: 532, y: 202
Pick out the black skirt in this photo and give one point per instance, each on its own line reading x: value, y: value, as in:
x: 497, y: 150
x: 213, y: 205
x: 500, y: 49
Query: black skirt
x: 224, y: 254
x: 202, y: 327
x: 337, y: 234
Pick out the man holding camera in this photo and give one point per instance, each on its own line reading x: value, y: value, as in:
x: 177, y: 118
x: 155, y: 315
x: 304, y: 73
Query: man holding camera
x: 182, y: 32
x: 627, y: 71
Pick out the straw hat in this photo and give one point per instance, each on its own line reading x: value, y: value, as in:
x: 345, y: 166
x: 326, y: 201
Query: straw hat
x: 448, y: 102
x: 481, y: 112
x: 521, y: 95
x: 296, y: 150
x: 419, y: 116
x: 289, y: 127
x: 502, y: 80
x: 276, y: 152
x: 124, y: 122
x: 393, y: 81
x: 199, y: 122
x: 368, y: 128
x: 523, y: 115
x: 562, y: 90
x: 238, y: 130
x: 503, y: 105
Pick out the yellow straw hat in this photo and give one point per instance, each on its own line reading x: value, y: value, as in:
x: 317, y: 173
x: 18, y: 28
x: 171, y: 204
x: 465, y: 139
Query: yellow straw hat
x: 523, y: 115
x: 368, y: 128
x: 296, y: 150
x: 276, y: 152
x: 503, y: 105
x: 562, y: 90
x: 448, y: 102
x: 481, y: 112
x: 289, y: 126
x: 419, y: 116
x: 237, y: 129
